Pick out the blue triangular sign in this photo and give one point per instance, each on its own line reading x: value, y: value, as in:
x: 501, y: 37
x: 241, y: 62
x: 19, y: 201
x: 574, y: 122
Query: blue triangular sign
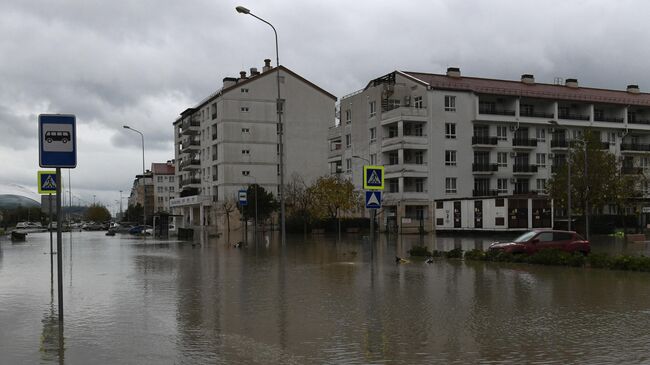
x: 373, y: 199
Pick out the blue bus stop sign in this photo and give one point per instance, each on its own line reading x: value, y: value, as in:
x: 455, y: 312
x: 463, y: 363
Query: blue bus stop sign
x: 57, y: 140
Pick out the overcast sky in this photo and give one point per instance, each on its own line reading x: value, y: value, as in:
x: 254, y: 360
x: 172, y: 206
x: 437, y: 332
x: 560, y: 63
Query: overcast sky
x: 142, y: 62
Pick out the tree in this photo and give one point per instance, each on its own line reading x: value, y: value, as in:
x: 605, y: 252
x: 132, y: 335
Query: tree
x: 603, y: 183
x: 332, y: 196
x: 97, y: 213
x: 266, y: 203
x: 298, y: 200
x: 133, y: 213
x: 228, y: 206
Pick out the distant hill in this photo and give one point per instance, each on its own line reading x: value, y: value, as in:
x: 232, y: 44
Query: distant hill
x: 10, y: 201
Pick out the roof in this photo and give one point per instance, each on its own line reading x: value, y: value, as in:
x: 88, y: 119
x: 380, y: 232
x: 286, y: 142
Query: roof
x: 535, y: 90
x: 162, y: 169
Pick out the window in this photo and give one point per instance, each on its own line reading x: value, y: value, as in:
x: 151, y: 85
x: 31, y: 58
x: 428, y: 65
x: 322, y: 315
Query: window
x: 499, y: 203
x: 450, y: 158
x: 527, y: 110
x: 450, y: 103
x: 245, y: 152
x: 611, y: 137
x: 393, y: 104
x: 631, y: 117
x: 160, y: 178
x: 418, y: 130
x: 419, y: 157
x: 348, y: 164
x: 439, y: 205
x: 372, y: 109
x: 244, y: 109
x: 502, y: 186
x: 599, y: 114
x: 499, y: 221
x: 577, y: 134
x: 373, y: 158
x: 417, y: 102
x: 502, y: 133
x: 160, y: 190
x: 419, y: 185
x: 393, y: 186
x: 393, y: 158
x: 348, y: 116
x: 245, y: 130
x: 440, y: 222
x: 171, y: 179
x: 245, y: 172
x: 214, y: 110
x: 450, y: 185
x: 373, y: 134
x: 348, y: 140
x: 502, y: 159
x: 244, y: 90
x: 540, y: 134
x: 160, y: 199
x: 171, y: 189
x: 541, y: 160
x: 450, y: 130
x: 541, y: 185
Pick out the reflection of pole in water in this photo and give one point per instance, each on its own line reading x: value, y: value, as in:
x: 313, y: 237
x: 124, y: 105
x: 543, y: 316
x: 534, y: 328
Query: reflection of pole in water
x: 52, y: 342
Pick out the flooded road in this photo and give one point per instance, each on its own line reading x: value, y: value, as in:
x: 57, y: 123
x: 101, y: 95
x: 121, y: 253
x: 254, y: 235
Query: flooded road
x: 318, y: 301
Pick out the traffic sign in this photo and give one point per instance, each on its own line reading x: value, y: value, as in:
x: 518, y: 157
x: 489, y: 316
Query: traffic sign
x: 57, y: 140
x: 373, y: 199
x: 243, y: 197
x: 47, y: 182
x: 373, y: 177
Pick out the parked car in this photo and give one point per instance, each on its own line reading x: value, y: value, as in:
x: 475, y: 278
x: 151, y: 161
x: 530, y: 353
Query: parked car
x: 139, y: 229
x: 536, y: 240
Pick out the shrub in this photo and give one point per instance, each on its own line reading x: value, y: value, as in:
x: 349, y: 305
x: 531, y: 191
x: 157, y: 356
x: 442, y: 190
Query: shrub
x: 436, y: 253
x: 456, y: 253
x: 475, y: 254
x: 420, y: 251
x: 600, y: 260
x: 557, y: 257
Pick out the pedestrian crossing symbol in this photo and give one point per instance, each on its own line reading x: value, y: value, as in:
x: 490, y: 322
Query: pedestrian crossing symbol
x: 47, y: 182
x: 373, y: 177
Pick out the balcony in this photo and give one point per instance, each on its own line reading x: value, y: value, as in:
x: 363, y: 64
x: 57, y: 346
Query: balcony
x: 573, y: 116
x: 556, y: 168
x: 524, y: 169
x: 407, y: 168
x: 335, y: 151
x: 638, y: 121
x: 484, y: 141
x: 484, y: 168
x: 494, y: 111
x: 190, y: 145
x: 215, y: 177
x: 534, y: 114
x: 406, y: 141
x: 559, y: 143
x: 637, y: 147
x: 485, y: 192
x: 524, y: 142
x: 628, y: 170
x: 190, y: 164
x: 524, y: 191
x: 189, y: 182
x: 602, y: 118
x: 404, y: 111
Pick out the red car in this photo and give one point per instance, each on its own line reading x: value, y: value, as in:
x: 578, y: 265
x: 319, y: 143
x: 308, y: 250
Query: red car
x: 536, y: 240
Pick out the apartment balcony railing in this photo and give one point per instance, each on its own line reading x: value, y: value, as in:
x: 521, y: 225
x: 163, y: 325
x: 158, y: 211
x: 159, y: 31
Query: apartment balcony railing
x: 559, y: 143
x: 485, y: 167
x: 600, y: 118
x: 627, y: 170
x: 484, y: 140
x: 403, y: 111
x: 534, y: 114
x: 524, y: 142
x: 486, y: 192
x: 215, y: 177
x: 190, y: 145
x: 635, y: 147
x: 191, y: 181
x: 520, y: 191
x: 573, y: 116
x: 496, y: 111
x: 523, y: 168
x: 191, y: 163
x: 638, y: 121
x: 189, y: 132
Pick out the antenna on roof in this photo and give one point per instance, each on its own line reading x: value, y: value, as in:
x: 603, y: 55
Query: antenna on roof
x: 558, y: 81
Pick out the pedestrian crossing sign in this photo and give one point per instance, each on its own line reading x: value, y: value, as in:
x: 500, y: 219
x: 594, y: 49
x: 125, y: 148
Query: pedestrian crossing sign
x: 47, y: 182
x: 373, y: 177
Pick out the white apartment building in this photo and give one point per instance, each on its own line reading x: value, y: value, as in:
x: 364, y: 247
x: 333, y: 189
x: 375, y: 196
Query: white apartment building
x: 165, y: 186
x: 229, y: 140
x: 473, y: 153
x: 143, y: 189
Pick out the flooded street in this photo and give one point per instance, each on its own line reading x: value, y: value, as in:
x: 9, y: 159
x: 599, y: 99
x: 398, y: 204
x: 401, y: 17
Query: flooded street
x: 134, y: 301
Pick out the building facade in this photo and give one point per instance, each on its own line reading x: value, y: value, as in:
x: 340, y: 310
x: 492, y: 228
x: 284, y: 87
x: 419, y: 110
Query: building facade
x: 473, y: 153
x: 165, y: 186
x: 142, y: 191
x: 230, y: 140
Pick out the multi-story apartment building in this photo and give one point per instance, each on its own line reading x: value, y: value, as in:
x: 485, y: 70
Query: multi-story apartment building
x: 230, y: 140
x: 165, y: 187
x: 141, y: 192
x: 473, y: 153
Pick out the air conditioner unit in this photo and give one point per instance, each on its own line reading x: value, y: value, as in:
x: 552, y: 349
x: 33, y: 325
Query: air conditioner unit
x: 550, y: 155
x: 513, y: 154
x: 513, y: 181
x: 513, y: 128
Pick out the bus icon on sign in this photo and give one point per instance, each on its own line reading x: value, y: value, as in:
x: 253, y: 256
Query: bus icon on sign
x: 63, y: 136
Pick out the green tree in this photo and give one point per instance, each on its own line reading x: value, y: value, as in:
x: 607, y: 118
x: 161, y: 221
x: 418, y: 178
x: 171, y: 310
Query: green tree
x: 133, y: 213
x: 97, y: 213
x: 332, y: 196
x: 602, y: 183
x: 266, y: 203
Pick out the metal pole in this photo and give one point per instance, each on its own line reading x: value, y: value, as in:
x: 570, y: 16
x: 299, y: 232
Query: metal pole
x: 59, y: 256
x: 49, y: 202
x: 256, y: 211
x: 144, y: 187
x: 586, y: 193
x: 569, y: 190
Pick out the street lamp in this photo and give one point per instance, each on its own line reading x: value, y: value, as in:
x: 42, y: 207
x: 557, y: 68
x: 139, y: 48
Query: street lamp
x: 144, y: 186
x: 245, y: 11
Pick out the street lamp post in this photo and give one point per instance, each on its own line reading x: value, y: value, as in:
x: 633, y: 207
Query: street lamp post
x: 243, y: 10
x: 144, y: 185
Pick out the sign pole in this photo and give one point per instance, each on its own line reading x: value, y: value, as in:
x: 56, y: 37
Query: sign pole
x: 59, y: 258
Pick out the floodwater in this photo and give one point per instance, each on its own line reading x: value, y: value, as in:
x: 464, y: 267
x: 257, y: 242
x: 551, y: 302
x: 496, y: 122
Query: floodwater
x: 318, y: 301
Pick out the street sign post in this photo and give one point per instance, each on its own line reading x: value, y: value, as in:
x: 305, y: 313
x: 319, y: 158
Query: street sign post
x: 373, y: 177
x: 47, y: 182
x: 242, y: 196
x: 57, y: 147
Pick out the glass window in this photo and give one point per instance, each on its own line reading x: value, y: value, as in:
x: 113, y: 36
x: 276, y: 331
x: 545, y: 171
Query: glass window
x: 393, y: 186
x: 450, y: 158
x: 450, y: 103
x: 419, y: 157
x: 541, y: 159
x: 502, y: 186
x: 348, y: 140
x: 372, y: 109
x: 418, y: 102
x: 373, y: 158
x: 450, y: 185
x: 373, y: 134
x: 348, y: 164
x: 502, y: 159
x: 502, y: 133
x: 348, y: 116
x: 540, y: 134
x: 545, y: 237
x: 450, y: 130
